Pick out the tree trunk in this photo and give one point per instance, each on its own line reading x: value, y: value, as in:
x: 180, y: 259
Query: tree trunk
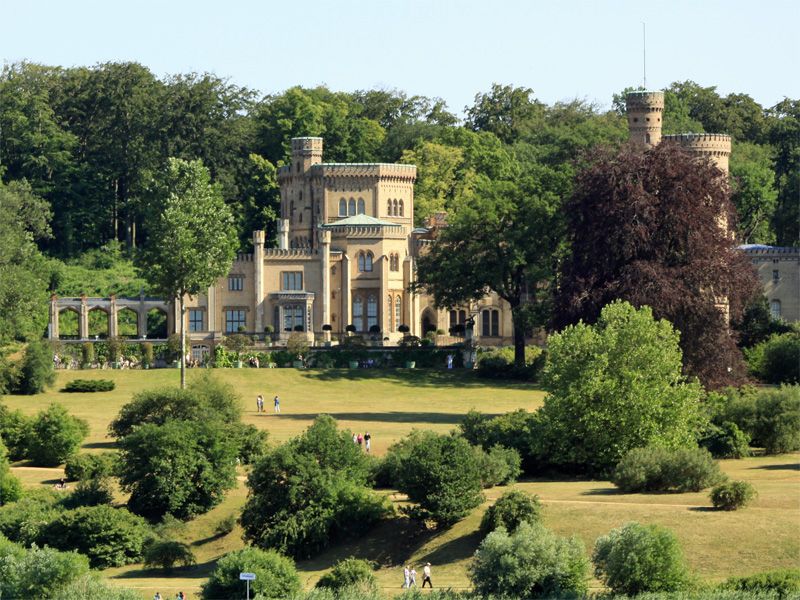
x: 518, y: 323
x: 183, y: 344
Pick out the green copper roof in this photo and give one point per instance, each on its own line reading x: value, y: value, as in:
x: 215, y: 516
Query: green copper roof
x: 361, y: 221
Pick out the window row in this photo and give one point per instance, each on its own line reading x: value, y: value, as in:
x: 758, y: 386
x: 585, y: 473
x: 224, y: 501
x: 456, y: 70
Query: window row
x: 364, y: 321
x: 235, y: 283
x: 394, y: 208
x: 348, y: 208
x: 365, y: 260
x: 490, y: 323
x: 394, y: 308
x: 394, y: 262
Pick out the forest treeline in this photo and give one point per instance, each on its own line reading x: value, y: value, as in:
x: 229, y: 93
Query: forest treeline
x: 93, y: 141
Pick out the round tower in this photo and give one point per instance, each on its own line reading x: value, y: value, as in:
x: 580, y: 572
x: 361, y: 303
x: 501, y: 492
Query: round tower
x: 645, y: 109
x: 716, y: 146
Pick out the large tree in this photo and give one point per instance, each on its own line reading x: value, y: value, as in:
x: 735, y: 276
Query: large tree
x: 645, y: 226
x: 193, y: 243
x: 502, y: 235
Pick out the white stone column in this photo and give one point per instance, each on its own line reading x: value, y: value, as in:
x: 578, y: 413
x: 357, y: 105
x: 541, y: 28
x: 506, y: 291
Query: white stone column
x: 347, y: 303
x: 283, y: 234
x: 83, y: 319
x: 258, y: 279
x: 211, y: 308
x: 112, y: 317
x: 325, y: 243
x: 53, y: 329
x: 384, y: 312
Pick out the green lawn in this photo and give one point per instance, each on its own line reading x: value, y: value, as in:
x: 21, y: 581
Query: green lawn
x: 389, y: 405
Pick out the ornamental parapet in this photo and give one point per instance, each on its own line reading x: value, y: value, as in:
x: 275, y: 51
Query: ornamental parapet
x: 707, y: 143
x: 645, y: 100
x: 290, y: 253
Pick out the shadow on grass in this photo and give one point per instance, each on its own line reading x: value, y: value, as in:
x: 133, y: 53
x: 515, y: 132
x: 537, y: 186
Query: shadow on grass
x: 211, y: 538
x: 103, y: 445
x: 417, y: 378
x: 705, y: 509
x: 386, y: 417
x: 609, y: 491
x: 786, y: 467
x: 459, y: 548
x: 198, y: 571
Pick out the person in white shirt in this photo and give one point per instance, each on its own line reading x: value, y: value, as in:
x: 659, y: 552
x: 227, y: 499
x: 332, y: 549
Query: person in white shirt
x: 426, y: 575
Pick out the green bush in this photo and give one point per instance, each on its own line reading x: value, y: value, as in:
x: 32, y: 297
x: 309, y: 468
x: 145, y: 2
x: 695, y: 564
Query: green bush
x: 732, y: 495
x: 530, y: 563
x: 89, y: 385
x: 498, y: 363
x: 311, y: 492
x: 777, y: 422
x: 276, y: 575
x: 110, y: 537
x: 442, y: 476
x: 55, y: 436
x: 165, y: 554
x: 10, y: 487
x: 725, y: 441
x: 511, y: 510
x: 87, y: 354
x: 90, y: 492
x: 498, y: 466
x: 93, y: 587
x: 15, y: 429
x: 655, y: 469
x: 783, y: 582
x: 775, y: 359
x: 251, y: 442
x: 225, y: 526
x: 37, y: 371
x: 347, y: 573
x: 635, y: 559
x: 180, y: 468
x: 87, y: 466
x: 37, y: 572
x: 519, y: 430
x: 23, y: 521
x: 146, y: 350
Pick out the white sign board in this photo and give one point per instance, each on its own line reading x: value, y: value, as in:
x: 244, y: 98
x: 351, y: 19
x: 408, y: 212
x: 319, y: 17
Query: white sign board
x: 247, y: 576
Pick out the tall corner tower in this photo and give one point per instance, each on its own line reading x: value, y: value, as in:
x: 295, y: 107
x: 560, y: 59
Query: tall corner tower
x: 645, y: 109
x: 715, y: 146
x: 306, y: 151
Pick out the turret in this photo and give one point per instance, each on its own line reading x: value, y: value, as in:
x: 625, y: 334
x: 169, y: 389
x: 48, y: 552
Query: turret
x: 645, y: 109
x: 716, y: 146
x: 306, y: 151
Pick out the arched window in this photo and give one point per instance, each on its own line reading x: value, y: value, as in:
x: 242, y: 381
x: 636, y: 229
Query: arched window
x: 368, y: 262
x: 389, y: 207
x: 394, y: 210
x: 490, y: 323
x: 361, y: 206
x: 398, y: 312
x: 775, y: 309
x: 358, y: 313
x: 342, y: 207
x: 351, y: 207
x: 372, y: 311
x: 360, y: 262
x: 462, y: 317
x: 401, y: 208
x: 389, y: 306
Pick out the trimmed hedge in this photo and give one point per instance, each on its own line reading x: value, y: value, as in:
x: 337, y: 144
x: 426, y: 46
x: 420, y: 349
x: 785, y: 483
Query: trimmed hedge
x: 89, y: 385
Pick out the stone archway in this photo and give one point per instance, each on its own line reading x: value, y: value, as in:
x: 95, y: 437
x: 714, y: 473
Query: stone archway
x: 127, y: 323
x: 69, y: 323
x: 98, y: 322
x: 157, y: 324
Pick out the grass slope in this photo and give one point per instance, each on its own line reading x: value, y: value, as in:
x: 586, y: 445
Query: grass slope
x: 390, y: 404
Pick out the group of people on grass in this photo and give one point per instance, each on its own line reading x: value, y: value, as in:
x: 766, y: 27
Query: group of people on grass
x: 178, y: 596
x: 410, y: 576
x: 365, y: 439
x: 260, y: 404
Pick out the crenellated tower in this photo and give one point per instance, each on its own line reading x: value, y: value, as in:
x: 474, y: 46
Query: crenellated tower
x: 645, y: 110
x: 715, y: 146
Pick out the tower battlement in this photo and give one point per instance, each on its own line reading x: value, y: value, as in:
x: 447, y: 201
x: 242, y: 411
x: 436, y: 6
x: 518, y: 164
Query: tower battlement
x: 645, y: 109
x: 306, y: 146
x: 716, y: 146
x: 645, y: 99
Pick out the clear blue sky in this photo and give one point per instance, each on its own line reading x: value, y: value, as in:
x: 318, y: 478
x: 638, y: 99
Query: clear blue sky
x: 447, y: 48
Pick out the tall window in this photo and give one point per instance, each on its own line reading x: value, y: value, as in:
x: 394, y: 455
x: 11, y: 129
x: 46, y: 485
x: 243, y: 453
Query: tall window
x: 368, y: 262
x: 235, y: 283
x: 490, y: 323
x: 775, y: 309
x: 293, y: 317
x: 389, y: 207
x: 398, y: 312
x: 358, y: 313
x: 342, y: 207
x: 365, y: 262
x: 390, y: 311
x: 235, y: 319
x: 372, y: 312
x: 458, y: 317
x: 361, y: 206
x: 394, y: 210
x: 401, y: 208
x: 351, y: 207
x: 776, y: 275
x: 394, y: 262
x: 195, y: 319
x: 292, y: 280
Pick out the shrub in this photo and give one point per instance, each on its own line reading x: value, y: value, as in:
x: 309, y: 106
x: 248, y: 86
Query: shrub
x: 348, y: 573
x: 297, y: 345
x: 498, y: 466
x: 775, y: 359
x: 55, y: 436
x: 441, y: 474
x: 237, y: 343
x: 24, y: 520
x: 88, y: 466
x: 87, y: 353
x: 511, y: 510
x: 655, y: 469
x: 310, y: 492
x: 732, y: 495
x: 165, y: 554
x: 180, y: 468
x: 530, y: 563
x: 91, y: 586
x: 37, y: 572
x: 783, y: 582
x: 37, y: 371
x: 725, y: 441
x: 251, y: 442
x: 110, y: 537
x: 225, y: 526
x: 276, y: 575
x: 89, y: 385
x: 596, y: 410
x: 519, y: 429
x: 635, y: 558
x: 90, y: 492
x: 498, y: 363
x: 15, y: 429
x: 10, y: 487
x: 147, y: 353
x: 777, y: 421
